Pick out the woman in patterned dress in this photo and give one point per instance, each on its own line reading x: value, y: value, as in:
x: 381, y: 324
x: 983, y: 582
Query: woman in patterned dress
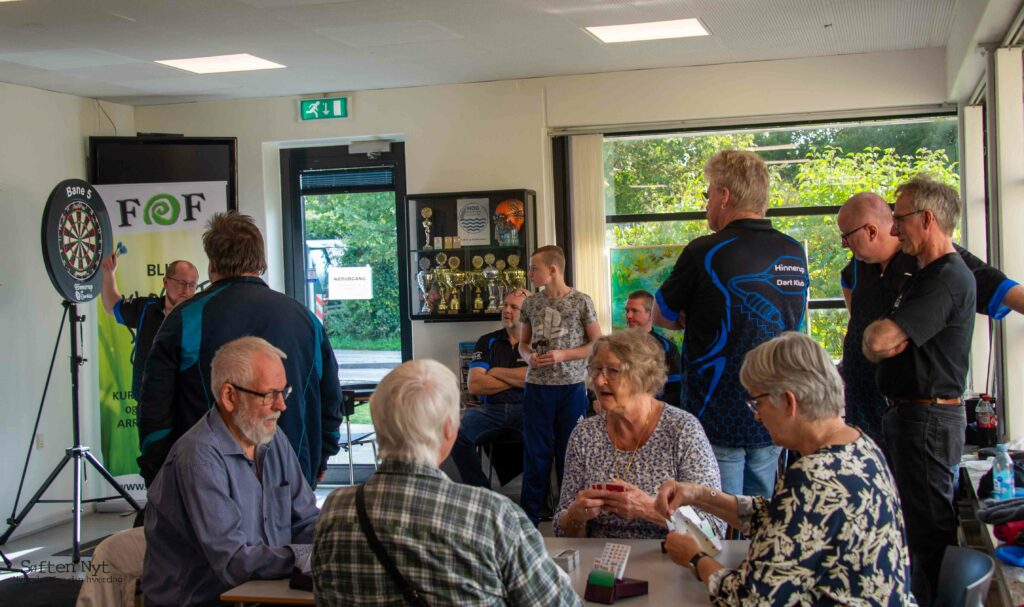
x: 833, y: 531
x: 635, y: 443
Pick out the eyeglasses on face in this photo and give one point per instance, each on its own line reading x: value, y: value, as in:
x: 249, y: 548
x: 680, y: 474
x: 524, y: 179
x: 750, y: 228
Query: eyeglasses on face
x: 269, y: 397
x: 899, y: 218
x: 610, y: 373
x: 755, y: 402
x: 845, y: 238
x: 184, y: 284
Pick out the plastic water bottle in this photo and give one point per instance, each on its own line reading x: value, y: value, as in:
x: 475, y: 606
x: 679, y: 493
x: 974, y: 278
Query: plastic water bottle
x: 985, y: 413
x: 1002, y: 475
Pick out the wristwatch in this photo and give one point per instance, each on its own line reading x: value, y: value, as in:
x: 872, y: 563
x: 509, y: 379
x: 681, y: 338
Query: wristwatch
x: 695, y: 561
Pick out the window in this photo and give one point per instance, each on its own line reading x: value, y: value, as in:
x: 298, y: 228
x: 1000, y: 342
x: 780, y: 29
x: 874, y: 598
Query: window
x: 654, y: 204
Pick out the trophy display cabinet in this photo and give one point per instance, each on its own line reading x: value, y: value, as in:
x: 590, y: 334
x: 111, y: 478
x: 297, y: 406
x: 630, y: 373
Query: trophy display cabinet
x: 467, y: 250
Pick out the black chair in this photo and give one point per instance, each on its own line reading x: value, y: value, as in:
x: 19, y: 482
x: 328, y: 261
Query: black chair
x: 964, y: 578
x: 504, y: 450
x: 350, y: 395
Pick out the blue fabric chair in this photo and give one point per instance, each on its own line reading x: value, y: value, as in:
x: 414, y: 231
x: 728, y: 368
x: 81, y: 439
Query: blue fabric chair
x: 964, y: 578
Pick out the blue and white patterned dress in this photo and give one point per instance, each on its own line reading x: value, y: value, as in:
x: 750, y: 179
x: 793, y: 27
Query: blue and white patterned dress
x: 678, y: 449
x: 832, y: 534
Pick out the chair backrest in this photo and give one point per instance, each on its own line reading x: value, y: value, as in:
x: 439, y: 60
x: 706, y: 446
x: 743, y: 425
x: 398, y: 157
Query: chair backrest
x: 351, y: 392
x: 964, y: 578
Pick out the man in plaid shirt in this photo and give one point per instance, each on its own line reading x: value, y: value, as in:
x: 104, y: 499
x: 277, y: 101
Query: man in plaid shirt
x: 453, y: 543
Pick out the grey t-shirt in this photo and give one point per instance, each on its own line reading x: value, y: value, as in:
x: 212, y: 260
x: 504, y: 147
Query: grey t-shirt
x: 558, y: 324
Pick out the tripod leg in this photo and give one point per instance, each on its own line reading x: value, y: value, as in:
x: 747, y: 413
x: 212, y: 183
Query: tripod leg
x: 14, y: 522
x: 76, y: 511
x: 113, y: 482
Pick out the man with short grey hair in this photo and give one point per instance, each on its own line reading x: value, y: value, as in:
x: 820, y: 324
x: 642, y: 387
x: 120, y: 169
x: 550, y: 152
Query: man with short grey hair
x: 451, y: 543
x: 923, y: 346
x: 230, y: 504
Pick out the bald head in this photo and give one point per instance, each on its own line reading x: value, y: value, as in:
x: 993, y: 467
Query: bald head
x: 865, y: 221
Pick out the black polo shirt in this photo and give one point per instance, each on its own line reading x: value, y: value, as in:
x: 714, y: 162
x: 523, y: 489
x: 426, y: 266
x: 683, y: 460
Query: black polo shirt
x: 143, y: 317
x: 739, y: 288
x: 936, y: 311
x: 495, y: 350
x: 872, y: 295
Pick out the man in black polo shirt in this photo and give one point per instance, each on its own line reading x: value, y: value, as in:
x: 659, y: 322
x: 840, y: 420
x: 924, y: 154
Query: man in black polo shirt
x: 143, y: 315
x: 732, y: 291
x: 639, y: 317
x: 922, y: 347
x: 497, y: 374
x: 871, y: 282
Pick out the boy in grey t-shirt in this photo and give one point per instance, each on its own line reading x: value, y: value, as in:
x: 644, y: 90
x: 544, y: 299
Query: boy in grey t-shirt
x: 559, y: 327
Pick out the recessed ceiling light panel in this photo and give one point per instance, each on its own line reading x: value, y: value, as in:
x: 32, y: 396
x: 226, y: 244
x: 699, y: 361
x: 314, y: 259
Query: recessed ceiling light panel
x: 222, y: 63
x: 653, y: 30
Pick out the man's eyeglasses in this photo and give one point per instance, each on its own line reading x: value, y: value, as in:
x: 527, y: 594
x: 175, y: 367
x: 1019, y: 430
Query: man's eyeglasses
x: 269, y: 397
x: 184, y: 284
x: 610, y: 373
x: 898, y: 218
x: 845, y: 238
x: 755, y: 402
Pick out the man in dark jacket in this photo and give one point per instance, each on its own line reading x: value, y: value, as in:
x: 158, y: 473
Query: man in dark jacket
x: 176, y: 385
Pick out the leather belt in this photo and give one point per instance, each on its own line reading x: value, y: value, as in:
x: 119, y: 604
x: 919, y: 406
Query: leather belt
x: 948, y: 402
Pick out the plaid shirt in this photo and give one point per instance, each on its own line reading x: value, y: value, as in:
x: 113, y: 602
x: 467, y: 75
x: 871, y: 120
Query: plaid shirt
x: 456, y: 544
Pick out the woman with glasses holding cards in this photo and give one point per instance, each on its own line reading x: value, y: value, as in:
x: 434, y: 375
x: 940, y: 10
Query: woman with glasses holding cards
x: 616, y: 460
x: 833, y: 531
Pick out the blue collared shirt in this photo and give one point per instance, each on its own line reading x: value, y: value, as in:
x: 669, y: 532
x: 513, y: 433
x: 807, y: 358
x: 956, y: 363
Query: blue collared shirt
x: 212, y: 524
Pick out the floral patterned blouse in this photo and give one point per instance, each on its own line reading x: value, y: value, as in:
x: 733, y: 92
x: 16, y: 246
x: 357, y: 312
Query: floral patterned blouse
x: 832, y: 534
x: 677, y: 449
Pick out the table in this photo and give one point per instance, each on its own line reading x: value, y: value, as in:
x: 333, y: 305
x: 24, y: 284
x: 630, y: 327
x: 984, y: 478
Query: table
x: 669, y: 584
x: 1009, y: 579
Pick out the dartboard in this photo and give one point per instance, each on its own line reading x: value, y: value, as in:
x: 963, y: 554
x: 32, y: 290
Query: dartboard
x: 76, y: 237
x: 81, y: 241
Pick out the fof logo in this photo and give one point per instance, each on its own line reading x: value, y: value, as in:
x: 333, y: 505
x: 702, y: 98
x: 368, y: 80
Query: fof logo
x: 160, y: 209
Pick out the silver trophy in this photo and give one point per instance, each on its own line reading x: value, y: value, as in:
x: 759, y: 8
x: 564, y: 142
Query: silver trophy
x: 491, y: 274
x: 425, y: 281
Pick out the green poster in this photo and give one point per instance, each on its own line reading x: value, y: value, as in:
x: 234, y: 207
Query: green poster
x: 635, y: 268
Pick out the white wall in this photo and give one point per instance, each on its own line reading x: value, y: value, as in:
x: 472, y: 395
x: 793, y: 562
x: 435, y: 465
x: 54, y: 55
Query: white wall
x: 42, y: 141
x: 495, y: 135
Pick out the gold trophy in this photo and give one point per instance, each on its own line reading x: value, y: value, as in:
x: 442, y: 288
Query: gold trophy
x: 427, y: 213
x: 490, y: 274
x: 514, y: 277
x: 443, y: 279
x: 457, y: 279
x: 425, y: 279
x: 476, y: 279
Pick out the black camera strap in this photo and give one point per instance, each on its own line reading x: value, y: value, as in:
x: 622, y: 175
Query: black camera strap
x: 412, y: 597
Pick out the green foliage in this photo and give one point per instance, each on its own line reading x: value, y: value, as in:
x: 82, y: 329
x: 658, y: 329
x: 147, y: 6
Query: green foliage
x: 824, y: 175
x: 366, y: 224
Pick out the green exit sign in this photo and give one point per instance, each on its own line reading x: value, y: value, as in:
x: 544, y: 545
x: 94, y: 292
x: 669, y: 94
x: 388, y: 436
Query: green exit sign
x: 324, y: 108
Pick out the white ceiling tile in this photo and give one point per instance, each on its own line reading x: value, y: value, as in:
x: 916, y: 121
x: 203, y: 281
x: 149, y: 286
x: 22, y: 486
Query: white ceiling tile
x: 385, y: 34
x: 66, y: 59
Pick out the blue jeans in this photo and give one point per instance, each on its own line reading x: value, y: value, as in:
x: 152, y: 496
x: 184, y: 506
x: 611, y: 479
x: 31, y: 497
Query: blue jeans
x: 550, y: 414
x: 748, y: 470
x: 475, y: 423
x: 924, y: 444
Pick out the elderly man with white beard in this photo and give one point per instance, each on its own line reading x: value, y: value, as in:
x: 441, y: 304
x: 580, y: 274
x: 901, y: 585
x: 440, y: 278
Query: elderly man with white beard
x: 230, y: 503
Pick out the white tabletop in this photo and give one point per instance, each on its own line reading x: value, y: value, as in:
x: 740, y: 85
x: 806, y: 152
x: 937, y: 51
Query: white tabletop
x: 668, y: 583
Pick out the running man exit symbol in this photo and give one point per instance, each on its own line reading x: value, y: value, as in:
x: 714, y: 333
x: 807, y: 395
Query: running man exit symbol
x: 323, y: 108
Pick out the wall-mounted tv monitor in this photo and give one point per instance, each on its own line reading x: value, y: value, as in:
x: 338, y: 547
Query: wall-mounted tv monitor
x: 160, y: 159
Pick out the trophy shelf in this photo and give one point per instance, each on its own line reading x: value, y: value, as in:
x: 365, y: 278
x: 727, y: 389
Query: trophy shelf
x: 466, y: 250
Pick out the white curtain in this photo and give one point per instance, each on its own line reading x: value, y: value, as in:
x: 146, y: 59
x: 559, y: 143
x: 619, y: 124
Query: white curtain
x: 590, y: 255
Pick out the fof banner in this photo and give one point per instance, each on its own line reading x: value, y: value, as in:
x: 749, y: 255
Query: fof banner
x: 157, y: 223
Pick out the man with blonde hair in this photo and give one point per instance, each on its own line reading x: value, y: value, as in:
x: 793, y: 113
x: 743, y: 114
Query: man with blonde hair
x: 175, y: 388
x: 731, y: 291
x: 497, y: 375
x: 446, y: 543
x: 230, y: 503
x: 922, y: 347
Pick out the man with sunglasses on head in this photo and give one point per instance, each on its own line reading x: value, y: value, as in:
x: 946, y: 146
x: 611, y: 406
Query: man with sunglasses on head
x: 922, y: 346
x: 230, y: 504
x: 144, y: 314
x: 872, y: 280
x: 176, y: 391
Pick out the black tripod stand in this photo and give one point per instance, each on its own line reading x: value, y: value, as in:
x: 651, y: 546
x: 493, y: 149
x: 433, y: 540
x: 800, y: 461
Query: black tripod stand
x: 77, y: 451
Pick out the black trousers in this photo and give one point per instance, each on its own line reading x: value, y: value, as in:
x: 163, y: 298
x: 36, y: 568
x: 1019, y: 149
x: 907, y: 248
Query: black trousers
x: 924, y: 444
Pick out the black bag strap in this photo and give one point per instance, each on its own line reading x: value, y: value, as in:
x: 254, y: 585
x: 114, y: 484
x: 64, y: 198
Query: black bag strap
x: 412, y: 597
